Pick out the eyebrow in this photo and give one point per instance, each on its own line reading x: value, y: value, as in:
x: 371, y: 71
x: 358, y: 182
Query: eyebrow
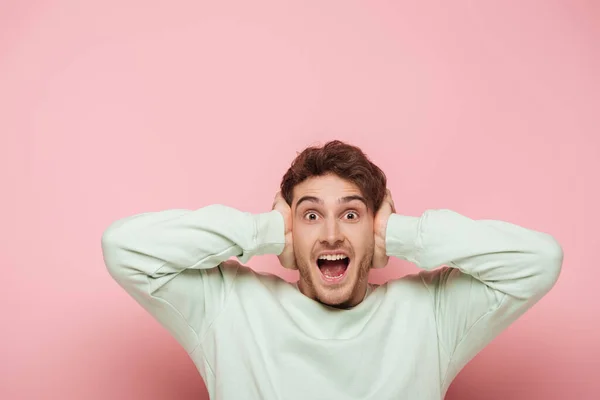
x: 343, y: 200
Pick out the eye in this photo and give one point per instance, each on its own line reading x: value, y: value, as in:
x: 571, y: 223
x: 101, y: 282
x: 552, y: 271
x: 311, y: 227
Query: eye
x: 354, y: 215
x: 311, y: 216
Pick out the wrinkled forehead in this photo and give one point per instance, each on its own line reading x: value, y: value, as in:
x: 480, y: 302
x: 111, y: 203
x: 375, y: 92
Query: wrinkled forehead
x: 327, y: 191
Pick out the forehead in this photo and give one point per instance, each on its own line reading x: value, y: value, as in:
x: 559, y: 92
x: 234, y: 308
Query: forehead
x: 326, y: 187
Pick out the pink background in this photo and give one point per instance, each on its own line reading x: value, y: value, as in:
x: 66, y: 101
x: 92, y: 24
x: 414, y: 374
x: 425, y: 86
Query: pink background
x: 111, y: 108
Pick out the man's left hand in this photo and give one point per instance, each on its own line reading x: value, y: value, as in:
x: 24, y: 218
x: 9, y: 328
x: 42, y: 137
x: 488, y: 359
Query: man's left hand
x: 387, y: 208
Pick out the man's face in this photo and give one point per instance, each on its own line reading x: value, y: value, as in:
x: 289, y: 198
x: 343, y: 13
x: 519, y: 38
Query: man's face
x: 329, y: 217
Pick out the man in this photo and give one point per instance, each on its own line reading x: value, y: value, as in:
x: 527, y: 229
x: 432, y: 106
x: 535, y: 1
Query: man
x: 331, y: 335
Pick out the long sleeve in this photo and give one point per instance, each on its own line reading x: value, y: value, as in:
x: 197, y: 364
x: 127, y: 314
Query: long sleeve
x: 173, y: 262
x: 493, y: 272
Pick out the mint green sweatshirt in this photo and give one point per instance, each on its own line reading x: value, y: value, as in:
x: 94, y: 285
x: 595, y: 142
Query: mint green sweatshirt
x: 255, y: 336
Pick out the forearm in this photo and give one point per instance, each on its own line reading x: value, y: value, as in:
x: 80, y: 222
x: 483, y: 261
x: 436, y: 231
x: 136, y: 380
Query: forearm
x: 506, y: 257
x: 164, y: 242
x: 152, y: 255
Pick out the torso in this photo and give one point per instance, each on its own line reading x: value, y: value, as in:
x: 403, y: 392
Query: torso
x: 272, y: 342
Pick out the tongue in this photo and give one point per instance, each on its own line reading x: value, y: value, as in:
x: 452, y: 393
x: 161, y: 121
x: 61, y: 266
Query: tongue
x: 332, y: 269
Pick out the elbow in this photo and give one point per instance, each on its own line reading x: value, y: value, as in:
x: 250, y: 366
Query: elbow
x: 550, y: 261
x: 111, y: 250
x: 110, y: 237
x: 118, y: 234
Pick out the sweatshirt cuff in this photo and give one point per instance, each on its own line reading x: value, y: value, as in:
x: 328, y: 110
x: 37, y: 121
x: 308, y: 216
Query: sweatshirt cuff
x: 402, y: 237
x: 269, y: 233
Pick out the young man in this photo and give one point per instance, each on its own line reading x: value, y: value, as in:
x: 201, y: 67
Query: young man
x: 331, y: 335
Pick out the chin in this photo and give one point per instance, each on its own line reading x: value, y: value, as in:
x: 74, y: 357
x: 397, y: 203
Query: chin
x: 337, y: 291
x: 338, y: 295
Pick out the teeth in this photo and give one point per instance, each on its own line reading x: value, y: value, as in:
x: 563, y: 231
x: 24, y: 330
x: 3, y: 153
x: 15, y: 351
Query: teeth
x: 333, y: 257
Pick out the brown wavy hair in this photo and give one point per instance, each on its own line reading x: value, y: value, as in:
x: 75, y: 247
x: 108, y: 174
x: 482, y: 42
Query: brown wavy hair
x: 342, y: 159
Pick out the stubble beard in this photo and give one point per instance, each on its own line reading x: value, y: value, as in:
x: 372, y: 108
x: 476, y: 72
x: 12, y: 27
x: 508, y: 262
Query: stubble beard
x: 304, y: 268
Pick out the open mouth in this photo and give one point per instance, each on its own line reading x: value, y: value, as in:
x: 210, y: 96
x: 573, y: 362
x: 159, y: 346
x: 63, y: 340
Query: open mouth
x: 333, y: 269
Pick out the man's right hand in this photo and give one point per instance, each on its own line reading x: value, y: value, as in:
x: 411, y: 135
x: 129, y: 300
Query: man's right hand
x: 286, y: 258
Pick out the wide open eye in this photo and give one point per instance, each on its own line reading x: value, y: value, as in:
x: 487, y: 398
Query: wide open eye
x: 311, y: 216
x: 354, y: 215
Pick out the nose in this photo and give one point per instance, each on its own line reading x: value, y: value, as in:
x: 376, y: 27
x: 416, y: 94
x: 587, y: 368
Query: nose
x: 332, y: 233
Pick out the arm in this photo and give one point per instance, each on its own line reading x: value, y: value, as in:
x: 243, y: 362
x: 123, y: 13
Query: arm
x: 170, y: 261
x: 497, y: 271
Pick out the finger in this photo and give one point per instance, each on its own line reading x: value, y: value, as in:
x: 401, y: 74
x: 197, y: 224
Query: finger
x: 390, y: 199
x: 277, y: 196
